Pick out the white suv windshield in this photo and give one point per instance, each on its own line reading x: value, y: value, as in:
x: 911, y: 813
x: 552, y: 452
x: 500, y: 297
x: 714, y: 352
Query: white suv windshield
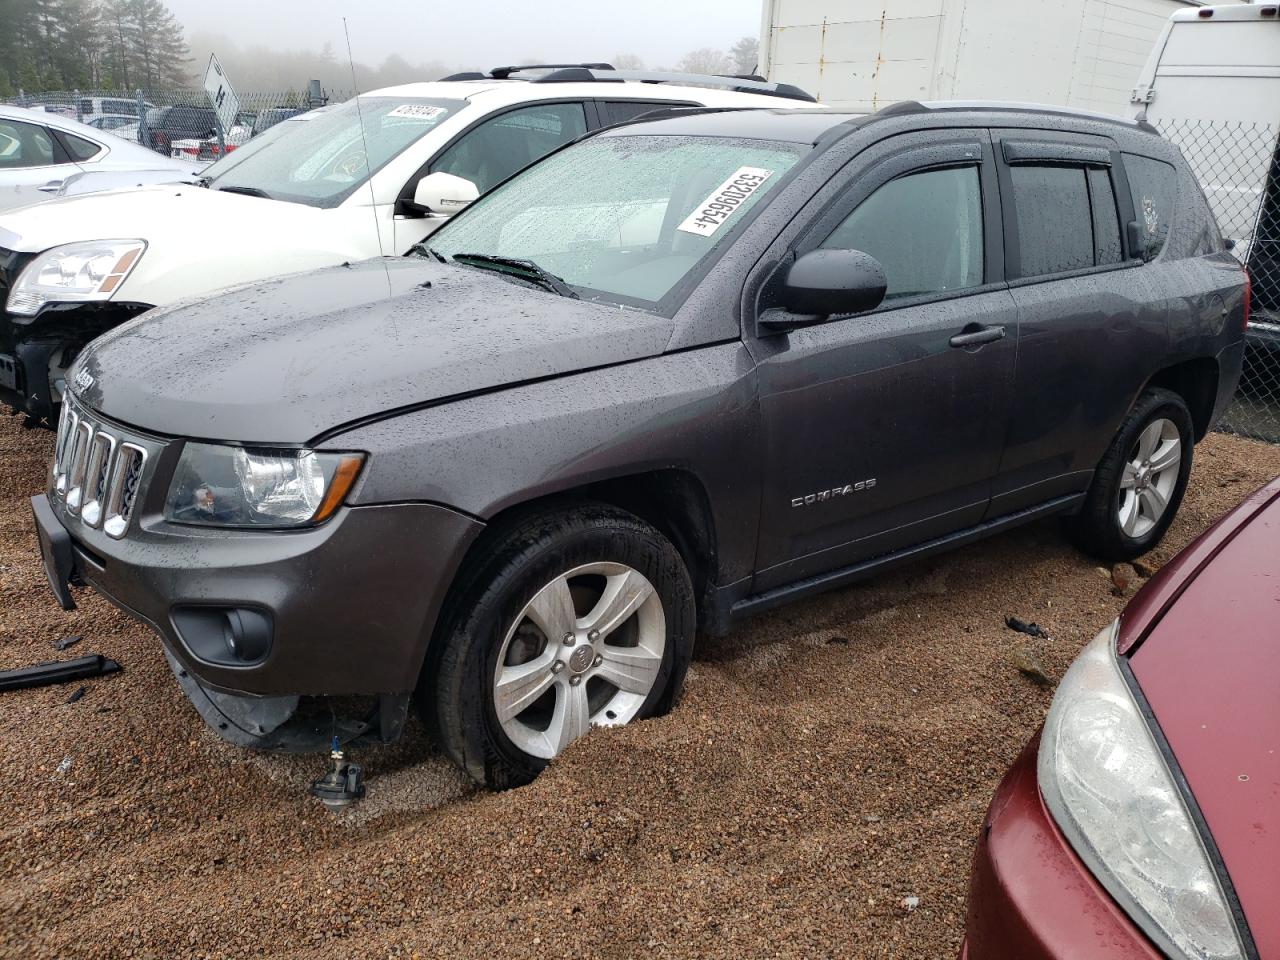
x: 319, y: 158
x: 622, y: 218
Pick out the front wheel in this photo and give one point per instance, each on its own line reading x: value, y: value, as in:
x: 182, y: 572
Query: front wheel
x: 577, y: 619
x: 1140, y: 481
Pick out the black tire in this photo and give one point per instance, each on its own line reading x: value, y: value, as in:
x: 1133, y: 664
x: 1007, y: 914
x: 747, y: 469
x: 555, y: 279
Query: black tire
x: 456, y: 697
x: 1097, y: 529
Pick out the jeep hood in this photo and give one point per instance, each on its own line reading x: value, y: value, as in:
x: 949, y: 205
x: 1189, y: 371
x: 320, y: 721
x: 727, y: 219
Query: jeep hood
x: 283, y: 361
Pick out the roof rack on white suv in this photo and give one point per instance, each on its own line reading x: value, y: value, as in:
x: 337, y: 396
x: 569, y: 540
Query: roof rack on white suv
x: 606, y: 73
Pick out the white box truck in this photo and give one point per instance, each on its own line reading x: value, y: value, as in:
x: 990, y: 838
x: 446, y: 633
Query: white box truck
x: 1212, y: 86
x: 865, y: 55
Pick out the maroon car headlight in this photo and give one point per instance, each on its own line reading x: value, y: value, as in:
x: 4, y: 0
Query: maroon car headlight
x: 1106, y: 782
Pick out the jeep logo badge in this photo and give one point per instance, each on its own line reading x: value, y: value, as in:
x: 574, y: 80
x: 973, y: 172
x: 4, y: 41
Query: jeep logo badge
x: 83, y: 379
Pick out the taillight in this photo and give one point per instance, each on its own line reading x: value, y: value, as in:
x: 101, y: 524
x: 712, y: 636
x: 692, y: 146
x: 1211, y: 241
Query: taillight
x: 1248, y: 295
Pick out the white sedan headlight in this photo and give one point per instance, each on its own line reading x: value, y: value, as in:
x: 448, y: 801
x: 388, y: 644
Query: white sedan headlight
x: 1106, y: 783
x: 235, y: 487
x: 74, y: 273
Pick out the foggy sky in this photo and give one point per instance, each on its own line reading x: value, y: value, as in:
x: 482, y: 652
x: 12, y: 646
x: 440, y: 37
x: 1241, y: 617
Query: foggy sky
x: 481, y: 33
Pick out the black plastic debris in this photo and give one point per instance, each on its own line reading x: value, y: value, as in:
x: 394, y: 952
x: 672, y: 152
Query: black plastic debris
x: 66, y: 642
x: 1031, y: 629
x: 80, y: 692
x: 57, y: 671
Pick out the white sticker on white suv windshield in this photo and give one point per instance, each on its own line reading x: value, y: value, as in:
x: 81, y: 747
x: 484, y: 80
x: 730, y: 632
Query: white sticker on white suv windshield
x: 709, y: 215
x: 417, y: 111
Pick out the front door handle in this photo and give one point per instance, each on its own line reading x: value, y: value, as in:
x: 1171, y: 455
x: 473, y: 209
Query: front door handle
x: 975, y: 335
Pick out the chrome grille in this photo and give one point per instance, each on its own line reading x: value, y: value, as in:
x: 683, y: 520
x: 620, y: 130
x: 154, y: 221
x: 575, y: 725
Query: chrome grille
x: 97, y: 473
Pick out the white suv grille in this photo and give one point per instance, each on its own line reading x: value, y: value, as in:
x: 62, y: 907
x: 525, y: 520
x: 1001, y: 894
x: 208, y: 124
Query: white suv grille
x: 97, y: 472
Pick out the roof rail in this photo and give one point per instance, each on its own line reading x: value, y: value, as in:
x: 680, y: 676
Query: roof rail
x: 588, y: 73
x: 1016, y: 106
x: 503, y: 73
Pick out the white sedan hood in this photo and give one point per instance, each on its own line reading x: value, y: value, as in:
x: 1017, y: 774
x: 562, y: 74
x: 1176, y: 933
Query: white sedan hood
x: 198, y: 240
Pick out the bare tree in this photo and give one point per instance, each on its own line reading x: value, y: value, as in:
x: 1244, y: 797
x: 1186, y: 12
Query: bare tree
x: 705, y: 60
x: 745, y: 55
x: 627, y: 61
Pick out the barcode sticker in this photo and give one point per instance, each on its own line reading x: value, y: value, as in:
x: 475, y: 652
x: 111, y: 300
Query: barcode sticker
x: 712, y: 213
x: 417, y: 111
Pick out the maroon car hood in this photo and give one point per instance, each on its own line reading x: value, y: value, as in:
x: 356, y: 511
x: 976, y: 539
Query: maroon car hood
x: 1210, y: 668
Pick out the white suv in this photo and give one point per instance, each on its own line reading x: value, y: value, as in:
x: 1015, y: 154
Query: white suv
x: 368, y: 177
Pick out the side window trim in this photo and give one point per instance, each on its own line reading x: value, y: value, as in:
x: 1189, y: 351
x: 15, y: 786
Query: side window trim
x: 406, y: 191
x: 954, y: 148
x: 1062, y: 155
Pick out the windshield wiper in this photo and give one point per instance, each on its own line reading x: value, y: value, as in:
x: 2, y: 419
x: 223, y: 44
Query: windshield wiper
x: 423, y: 250
x: 521, y: 269
x: 247, y: 191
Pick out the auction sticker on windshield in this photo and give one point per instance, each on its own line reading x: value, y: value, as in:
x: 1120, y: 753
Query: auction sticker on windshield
x: 417, y: 111
x: 713, y: 212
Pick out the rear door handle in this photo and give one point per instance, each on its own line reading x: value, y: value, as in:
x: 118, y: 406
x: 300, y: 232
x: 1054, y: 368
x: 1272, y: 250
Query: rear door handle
x: 53, y: 186
x: 975, y: 335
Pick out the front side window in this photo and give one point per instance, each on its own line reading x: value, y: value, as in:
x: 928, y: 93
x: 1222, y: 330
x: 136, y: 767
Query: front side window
x: 925, y: 229
x: 1153, y: 184
x: 24, y: 145
x: 319, y: 158
x: 1055, y: 225
x: 623, y: 218
x: 499, y: 147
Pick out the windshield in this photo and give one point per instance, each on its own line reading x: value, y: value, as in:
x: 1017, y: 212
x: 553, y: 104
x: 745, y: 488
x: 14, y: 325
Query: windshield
x: 622, y: 217
x: 318, y: 158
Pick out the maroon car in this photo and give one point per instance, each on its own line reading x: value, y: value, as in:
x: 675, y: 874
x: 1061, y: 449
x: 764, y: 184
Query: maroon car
x: 1144, y: 820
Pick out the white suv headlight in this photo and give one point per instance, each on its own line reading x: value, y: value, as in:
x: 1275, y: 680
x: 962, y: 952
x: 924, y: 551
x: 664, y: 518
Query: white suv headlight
x: 1106, y: 783
x: 74, y: 273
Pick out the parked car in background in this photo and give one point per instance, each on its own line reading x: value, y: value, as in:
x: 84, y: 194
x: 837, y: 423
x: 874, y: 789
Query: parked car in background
x: 1143, y: 820
x: 113, y: 123
x: 40, y: 152
x: 307, y: 193
x: 90, y: 108
x: 266, y: 119
x: 170, y: 123
x: 676, y: 373
x: 1212, y: 83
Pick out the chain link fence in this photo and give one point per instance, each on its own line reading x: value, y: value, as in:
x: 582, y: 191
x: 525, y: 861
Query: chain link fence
x: 178, y: 123
x: 1238, y: 164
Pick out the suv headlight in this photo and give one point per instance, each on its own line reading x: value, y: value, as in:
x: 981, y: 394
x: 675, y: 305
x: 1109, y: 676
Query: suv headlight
x: 74, y: 273
x: 1106, y: 783
x: 237, y: 487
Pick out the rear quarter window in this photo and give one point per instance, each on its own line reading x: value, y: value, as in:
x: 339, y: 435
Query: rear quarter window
x: 1153, y: 184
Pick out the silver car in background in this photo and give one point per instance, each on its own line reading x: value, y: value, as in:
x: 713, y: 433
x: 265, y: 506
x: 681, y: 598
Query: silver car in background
x: 43, y: 155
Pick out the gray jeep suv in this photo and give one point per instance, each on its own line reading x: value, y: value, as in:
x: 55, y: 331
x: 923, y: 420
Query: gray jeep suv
x: 678, y: 372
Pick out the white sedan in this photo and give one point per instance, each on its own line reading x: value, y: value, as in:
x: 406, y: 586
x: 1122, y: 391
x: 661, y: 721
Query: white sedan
x: 43, y: 155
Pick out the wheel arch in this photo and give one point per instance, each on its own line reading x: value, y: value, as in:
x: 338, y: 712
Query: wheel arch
x: 672, y: 500
x: 1196, y: 382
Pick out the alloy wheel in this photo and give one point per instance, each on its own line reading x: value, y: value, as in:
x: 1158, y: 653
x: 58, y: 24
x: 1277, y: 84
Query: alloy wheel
x: 1149, y: 478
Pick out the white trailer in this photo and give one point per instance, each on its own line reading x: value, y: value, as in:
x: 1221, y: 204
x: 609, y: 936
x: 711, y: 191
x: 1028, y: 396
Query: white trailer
x: 866, y: 54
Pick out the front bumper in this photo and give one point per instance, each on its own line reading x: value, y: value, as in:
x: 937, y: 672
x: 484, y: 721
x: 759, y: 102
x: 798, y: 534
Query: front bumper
x: 352, y: 603
x: 1030, y: 896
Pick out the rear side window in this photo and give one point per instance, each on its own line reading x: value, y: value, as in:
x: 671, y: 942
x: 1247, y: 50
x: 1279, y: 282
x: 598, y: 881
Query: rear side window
x: 924, y: 228
x: 1055, y: 226
x: 79, y: 147
x: 619, y: 111
x: 1106, y: 222
x: 1153, y: 183
x: 24, y: 145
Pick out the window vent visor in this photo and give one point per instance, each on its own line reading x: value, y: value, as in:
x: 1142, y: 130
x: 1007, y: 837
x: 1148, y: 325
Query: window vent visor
x: 1037, y: 151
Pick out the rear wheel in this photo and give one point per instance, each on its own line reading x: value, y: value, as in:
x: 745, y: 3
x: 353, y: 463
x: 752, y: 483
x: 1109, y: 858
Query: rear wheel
x: 1140, y: 481
x: 577, y: 619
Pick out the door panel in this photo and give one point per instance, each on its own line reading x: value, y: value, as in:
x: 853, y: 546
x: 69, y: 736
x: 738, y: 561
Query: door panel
x: 878, y: 432
x: 1091, y: 325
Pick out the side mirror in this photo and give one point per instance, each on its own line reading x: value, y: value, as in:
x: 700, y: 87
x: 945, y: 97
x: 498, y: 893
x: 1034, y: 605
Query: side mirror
x: 444, y: 193
x: 826, y: 282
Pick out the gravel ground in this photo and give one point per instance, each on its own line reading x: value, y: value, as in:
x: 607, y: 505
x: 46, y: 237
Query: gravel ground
x: 826, y: 762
